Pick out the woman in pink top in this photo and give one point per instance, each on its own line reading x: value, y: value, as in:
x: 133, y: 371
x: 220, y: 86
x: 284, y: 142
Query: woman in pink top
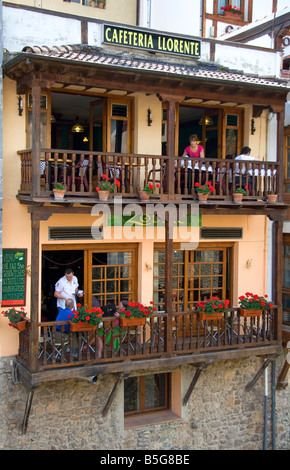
x: 194, y: 150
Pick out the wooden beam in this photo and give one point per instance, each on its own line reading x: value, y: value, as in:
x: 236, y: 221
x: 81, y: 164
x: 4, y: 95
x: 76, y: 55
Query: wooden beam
x: 278, y: 278
x: 193, y: 382
x: 113, y: 393
x: 259, y: 373
x: 35, y: 175
x: 27, y: 411
x: 168, y: 281
x: 282, y: 381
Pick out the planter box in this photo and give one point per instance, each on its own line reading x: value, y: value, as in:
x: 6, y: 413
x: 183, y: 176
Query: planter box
x: 75, y: 327
x: 233, y: 15
x: 250, y: 313
x: 210, y: 316
x: 125, y: 322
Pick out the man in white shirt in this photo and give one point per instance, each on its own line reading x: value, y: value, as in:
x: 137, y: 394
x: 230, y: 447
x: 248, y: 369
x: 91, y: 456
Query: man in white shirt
x: 67, y: 288
x: 241, y: 167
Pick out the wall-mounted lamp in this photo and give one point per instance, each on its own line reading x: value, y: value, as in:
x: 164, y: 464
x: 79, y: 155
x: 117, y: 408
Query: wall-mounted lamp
x: 20, y: 106
x: 253, y: 127
x: 249, y: 263
x: 148, y: 265
x: 149, y: 117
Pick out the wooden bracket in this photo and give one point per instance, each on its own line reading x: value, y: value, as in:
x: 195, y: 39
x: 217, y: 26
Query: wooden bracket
x: 27, y: 411
x: 113, y: 393
x: 198, y: 371
x: 282, y: 382
x: 260, y: 371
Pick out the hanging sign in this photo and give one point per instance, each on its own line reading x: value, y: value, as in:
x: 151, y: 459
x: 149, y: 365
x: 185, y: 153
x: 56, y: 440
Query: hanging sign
x: 13, y: 277
x: 155, y: 42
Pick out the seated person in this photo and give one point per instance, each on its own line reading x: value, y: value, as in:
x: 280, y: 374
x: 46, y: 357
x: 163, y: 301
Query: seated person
x: 65, y: 314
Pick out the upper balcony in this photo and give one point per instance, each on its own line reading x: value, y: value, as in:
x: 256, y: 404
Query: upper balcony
x: 176, y: 178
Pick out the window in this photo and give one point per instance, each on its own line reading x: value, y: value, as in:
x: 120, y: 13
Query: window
x: 197, y: 275
x: 113, y: 276
x: 44, y: 116
x: 146, y: 393
x: 286, y: 281
x: 287, y: 160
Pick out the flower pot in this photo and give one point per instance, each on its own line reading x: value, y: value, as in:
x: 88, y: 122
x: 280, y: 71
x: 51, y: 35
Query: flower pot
x: 143, y: 195
x: 233, y: 15
x: 59, y: 194
x: 202, y: 197
x: 272, y: 198
x: 103, y: 195
x: 250, y: 313
x: 21, y: 325
x: 238, y: 197
x: 210, y: 316
x: 92, y: 3
x: 125, y: 322
x: 101, y: 5
x: 75, y: 327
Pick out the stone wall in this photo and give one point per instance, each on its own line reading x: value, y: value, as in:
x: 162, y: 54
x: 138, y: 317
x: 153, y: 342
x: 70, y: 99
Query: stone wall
x: 219, y: 414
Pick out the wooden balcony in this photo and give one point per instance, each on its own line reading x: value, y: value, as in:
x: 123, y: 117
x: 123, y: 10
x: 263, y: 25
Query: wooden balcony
x: 161, y: 337
x: 82, y: 171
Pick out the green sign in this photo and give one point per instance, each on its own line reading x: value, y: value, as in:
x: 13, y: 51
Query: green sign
x: 115, y: 35
x: 13, y: 277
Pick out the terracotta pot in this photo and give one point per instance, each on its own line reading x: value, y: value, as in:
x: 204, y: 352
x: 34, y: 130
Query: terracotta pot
x: 143, y: 195
x: 75, y: 327
x: 59, y: 193
x: 250, y: 313
x: 92, y: 3
x: 210, y: 316
x: 103, y: 195
x: 238, y: 197
x: 101, y: 5
x: 272, y: 198
x: 202, y: 197
x: 125, y: 322
x: 21, y: 326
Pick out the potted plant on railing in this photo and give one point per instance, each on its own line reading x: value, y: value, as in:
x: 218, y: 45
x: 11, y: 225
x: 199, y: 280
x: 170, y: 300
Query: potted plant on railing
x: 233, y: 12
x: 59, y: 190
x: 101, y: 3
x: 135, y: 314
x: 252, y: 305
x: 238, y: 194
x: 148, y: 189
x: 272, y: 197
x: 85, y: 318
x: 17, y: 318
x: 203, y: 190
x: 106, y: 187
x: 212, y: 309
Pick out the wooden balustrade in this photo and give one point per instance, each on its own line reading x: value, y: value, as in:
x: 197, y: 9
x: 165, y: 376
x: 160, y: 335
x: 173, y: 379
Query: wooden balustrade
x: 82, y: 171
x: 190, y: 335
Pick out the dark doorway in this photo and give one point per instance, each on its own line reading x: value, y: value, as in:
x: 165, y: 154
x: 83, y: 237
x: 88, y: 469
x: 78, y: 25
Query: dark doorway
x: 54, y: 264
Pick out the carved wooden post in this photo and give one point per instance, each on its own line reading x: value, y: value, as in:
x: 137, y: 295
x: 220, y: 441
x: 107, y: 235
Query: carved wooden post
x: 35, y: 180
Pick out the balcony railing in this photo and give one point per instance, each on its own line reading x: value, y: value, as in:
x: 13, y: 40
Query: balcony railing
x: 82, y: 171
x: 188, y: 335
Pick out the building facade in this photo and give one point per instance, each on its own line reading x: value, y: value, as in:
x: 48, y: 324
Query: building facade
x: 90, y: 91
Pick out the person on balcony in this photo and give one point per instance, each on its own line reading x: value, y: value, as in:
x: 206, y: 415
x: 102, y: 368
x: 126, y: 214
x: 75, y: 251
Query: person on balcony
x: 193, y: 150
x: 241, y: 167
x: 65, y: 314
x: 67, y: 287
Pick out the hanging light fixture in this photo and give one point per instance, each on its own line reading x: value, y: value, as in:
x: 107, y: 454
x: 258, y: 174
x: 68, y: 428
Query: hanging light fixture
x: 207, y: 121
x: 77, y: 127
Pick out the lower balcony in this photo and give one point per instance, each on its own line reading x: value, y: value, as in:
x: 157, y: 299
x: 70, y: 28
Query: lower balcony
x: 82, y: 172
x: 183, y: 336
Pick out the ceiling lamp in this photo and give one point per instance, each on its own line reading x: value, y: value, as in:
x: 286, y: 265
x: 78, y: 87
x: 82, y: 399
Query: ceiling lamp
x: 207, y: 121
x: 77, y: 127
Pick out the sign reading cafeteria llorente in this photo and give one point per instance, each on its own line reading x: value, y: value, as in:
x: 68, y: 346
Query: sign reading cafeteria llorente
x: 150, y: 41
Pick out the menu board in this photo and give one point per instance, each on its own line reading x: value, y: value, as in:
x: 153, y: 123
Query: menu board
x: 13, y: 277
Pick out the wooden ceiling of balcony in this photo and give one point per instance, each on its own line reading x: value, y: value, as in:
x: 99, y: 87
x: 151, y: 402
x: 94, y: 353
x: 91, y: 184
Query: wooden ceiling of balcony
x: 224, y: 87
